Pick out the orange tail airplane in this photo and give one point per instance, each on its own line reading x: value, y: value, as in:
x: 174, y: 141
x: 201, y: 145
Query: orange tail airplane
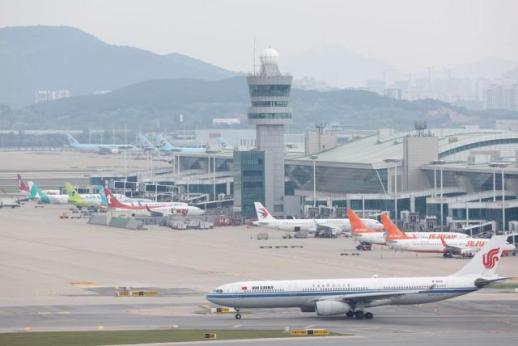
x: 393, y: 232
x: 363, y: 233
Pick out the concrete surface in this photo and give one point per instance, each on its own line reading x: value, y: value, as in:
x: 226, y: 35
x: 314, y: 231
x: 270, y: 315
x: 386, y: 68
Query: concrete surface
x: 60, y: 275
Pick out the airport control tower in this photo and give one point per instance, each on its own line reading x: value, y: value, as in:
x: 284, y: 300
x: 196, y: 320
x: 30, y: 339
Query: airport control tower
x: 270, y: 112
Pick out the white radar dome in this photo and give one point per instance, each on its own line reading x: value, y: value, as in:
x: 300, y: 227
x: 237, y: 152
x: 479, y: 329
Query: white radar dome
x: 269, y: 56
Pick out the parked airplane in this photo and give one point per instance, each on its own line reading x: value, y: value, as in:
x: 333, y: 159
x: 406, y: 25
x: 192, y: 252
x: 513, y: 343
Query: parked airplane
x: 97, y: 148
x: 26, y: 188
x: 23, y: 187
x: 43, y: 197
x: 144, y: 143
x: 265, y: 219
x: 166, y: 147
x: 399, y: 240
x: 146, y: 208
x: 365, y: 234
x: 336, y: 226
x: 350, y: 297
x: 84, y: 200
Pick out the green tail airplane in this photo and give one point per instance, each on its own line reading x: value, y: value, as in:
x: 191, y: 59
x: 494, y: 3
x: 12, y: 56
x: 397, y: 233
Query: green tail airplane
x: 84, y: 200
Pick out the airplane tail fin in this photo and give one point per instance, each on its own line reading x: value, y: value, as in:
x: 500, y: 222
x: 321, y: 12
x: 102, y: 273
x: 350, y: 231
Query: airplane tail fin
x: 100, y: 191
x: 262, y: 213
x: 112, y: 201
x: 393, y: 232
x: 71, y: 140
x: 357, y: 224
x: 486, y: 260
x: 36, y: 193
x: 145, y: 142
x: 71, y: 191
x: 22, y: 186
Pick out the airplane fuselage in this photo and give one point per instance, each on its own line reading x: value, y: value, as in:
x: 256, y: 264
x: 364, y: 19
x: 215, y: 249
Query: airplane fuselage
x: 436, y: 246
x: 305, y: 293
x: 379, y: 237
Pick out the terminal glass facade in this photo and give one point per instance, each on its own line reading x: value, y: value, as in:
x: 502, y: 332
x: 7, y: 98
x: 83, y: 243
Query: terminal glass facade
x: 248, y: 181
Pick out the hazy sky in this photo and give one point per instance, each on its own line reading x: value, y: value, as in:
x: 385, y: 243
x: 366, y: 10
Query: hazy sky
x: 410, y: 34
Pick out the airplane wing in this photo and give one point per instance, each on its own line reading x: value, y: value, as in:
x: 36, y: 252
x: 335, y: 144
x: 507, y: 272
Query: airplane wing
x: 371, y: 296
x: 450, y: 248
x: 328, y: 228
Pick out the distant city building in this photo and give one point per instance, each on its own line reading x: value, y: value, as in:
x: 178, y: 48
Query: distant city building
x: 50, y: 95
x: 270, y: 112
x: 226, y: 121
x: 501, y: 96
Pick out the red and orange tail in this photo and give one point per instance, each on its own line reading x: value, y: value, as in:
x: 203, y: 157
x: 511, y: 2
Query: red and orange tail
x: 357, y: 224
x: 393, y: 232
x: 113, y: 202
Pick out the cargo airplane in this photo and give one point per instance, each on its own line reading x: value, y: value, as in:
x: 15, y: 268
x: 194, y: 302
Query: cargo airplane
x: 351, y: 297
x: 365, y: 234
x: 336, y: 226
x: 466, y: 247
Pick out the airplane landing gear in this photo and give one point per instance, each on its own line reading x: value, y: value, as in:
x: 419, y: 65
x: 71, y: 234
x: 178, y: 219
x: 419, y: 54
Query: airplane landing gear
x: 238, y: 316
x: 359, y: 315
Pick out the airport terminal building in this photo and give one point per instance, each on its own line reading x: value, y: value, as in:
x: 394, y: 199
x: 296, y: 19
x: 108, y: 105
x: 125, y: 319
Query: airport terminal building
x: 407, y: 172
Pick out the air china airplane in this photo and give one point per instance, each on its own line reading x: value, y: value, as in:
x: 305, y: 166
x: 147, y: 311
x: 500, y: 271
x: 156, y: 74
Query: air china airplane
x: 146, y: 208
x: 399, y: 240
x: 350, y: 297
x: 336, y: 226
x: 365, y: 234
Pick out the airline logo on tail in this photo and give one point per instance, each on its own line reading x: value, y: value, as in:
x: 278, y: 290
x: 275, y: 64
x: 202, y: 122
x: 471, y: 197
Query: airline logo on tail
x: 490, y: 258
x: 264, y: 213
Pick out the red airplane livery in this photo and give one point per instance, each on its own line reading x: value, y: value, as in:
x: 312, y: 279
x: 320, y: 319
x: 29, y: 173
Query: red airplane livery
x: 264, y: 212
x: 490, y: 258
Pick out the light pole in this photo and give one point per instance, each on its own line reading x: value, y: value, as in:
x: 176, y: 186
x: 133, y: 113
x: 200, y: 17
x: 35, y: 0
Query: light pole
x: 502, y: 166
x: 214, y: 177
x: 396, y: 163
x: 503, y: 200
x: 494, y: 184
x: 314, y: 159
x: 440, y: 163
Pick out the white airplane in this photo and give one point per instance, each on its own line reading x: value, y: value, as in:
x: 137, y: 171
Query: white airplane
x: 350, y: 297
x: 399, y: 240
x: 143, y: 207
x: 336, y: 226
x: 265, y: 219
x: 43, y: 197
x: 97, y: 148
x: 365, y: 234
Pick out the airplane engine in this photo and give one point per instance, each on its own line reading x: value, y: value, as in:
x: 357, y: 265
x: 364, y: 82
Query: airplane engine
x: 331, y: 307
